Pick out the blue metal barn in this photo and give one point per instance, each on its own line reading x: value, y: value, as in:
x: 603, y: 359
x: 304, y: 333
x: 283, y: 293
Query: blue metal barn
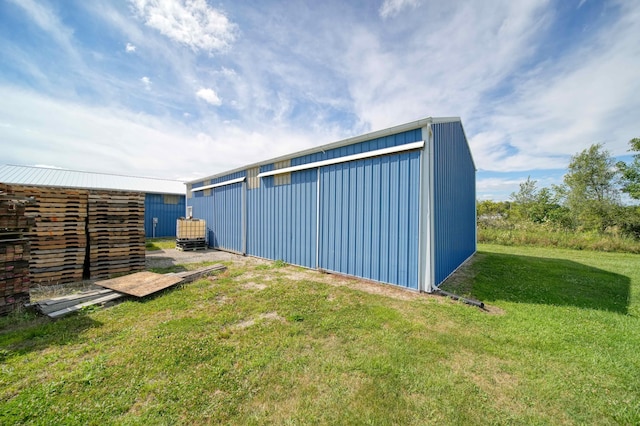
x: 161, y: 211
x: 395, y: 206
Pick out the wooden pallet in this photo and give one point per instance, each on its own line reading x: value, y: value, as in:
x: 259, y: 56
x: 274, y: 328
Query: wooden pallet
x: 58, y: 237
x: 116, y: 232
x: 57, y: 277
x: 71, y: 227
x: 185, y: 244
x: 15, y: 250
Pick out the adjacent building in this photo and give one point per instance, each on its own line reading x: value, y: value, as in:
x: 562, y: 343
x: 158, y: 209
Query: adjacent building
x: 164, y: 199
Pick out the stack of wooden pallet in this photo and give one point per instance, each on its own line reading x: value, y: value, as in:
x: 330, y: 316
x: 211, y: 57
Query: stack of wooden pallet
x: 58, y: 239
x: 14, y: 251
x: 116, y: 232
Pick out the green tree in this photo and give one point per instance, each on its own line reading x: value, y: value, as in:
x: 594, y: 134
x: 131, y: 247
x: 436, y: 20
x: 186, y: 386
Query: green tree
x: 536, y: 205
x: 591, y: 194
x: 631, y: 172
x: 492, y: 209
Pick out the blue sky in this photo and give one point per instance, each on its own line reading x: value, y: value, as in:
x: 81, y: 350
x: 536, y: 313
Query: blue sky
x: 187, y: 88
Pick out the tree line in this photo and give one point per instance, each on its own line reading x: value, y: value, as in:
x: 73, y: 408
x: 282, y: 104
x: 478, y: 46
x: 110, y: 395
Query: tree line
x: 589, y: 199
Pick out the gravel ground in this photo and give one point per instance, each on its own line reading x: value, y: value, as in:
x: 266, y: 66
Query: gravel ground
x: 170, y: 257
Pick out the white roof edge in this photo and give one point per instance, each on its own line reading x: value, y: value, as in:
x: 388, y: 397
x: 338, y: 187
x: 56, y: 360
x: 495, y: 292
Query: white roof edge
x: 346, y: 158
x: 344, y: 142
x: 219, y: 184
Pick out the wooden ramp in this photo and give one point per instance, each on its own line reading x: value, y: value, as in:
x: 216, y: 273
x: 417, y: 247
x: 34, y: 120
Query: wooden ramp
x: 140, y: 284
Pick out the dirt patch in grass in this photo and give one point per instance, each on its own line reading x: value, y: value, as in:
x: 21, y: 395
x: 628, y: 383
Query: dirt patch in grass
x: 372, y: 287
x: 488, y: 373
x: 269, y: 316
x: 254, y: 286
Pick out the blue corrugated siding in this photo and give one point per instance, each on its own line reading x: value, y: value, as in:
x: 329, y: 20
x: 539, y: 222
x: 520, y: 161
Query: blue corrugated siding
x: 221, y: 208
x: 369, y: 218
x: 203, y: 209
x: 226, y: 222
x: 231, y: 176
x: 197, y: 194
x: 167, y: 215
x: 281, y: 220
x: 371, y: 145
x: 454, y: 199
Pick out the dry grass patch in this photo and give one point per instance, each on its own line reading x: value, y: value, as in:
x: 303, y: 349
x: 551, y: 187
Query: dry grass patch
x: 269, y: 316
x: 253, y: 286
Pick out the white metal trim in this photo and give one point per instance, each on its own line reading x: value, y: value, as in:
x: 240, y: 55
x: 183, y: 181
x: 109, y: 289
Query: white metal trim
x: 432, y: 216
x: 244, y: 218
x: 368, y: 154
x: 216, y: 185
x: 423, y: 229
x: 318, y: 219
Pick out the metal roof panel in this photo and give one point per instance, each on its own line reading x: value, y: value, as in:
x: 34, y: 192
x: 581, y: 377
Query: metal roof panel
x: 44, y: 176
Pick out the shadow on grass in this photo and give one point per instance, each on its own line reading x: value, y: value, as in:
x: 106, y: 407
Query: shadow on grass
x: 164, y: 265
x: 557, y: 282
x: 35, y: 333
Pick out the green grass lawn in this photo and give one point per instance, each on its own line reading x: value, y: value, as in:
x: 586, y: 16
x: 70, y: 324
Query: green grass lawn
x: 153, y: 244
x: 280, y: 345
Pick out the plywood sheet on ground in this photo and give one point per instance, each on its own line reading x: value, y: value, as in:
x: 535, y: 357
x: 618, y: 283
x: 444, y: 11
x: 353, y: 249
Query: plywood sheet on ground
x: 140, y: 284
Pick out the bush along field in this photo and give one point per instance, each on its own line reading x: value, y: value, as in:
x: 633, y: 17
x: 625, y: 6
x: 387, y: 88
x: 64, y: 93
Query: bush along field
x: 585, y: 212
x: 269, y: 343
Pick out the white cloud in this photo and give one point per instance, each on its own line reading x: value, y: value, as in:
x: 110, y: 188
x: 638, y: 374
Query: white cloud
x: 48, y: 21
x: 130, y: 48
x: 444, y: 67
x: 117, y: 140
x: 562, y: 107
x: 189, y: 22
x: 146, y: 81
x: 392, y: 7
x: 210, y: 96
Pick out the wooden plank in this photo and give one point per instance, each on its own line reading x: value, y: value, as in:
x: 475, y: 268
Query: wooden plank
x: 190, y: 276
x: 73, y: 296
x: 140, y: 284
x: 53, y: 306
x: 74, y: 308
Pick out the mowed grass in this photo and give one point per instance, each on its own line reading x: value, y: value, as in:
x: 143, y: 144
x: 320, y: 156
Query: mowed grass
x: 273, y: 344
x: 154, y: 244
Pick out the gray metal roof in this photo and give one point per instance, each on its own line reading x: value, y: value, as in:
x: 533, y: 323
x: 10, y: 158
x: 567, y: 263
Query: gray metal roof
x: 44, y: 176
x: 373, y: 135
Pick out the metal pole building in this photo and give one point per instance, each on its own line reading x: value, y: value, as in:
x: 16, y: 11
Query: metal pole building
x: 396, y: 206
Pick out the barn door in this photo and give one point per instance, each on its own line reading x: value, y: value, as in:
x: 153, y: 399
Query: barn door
x: 227, y: 227
x: 369, y: 216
